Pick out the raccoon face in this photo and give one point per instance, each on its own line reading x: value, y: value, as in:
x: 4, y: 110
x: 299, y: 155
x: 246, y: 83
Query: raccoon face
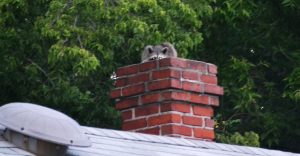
x: 157, y: 52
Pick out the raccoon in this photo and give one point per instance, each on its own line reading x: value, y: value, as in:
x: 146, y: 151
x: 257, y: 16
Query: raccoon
x: 157, y: 52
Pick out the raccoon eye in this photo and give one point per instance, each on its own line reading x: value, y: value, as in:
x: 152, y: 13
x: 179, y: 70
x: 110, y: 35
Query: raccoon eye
x: 164, y: 51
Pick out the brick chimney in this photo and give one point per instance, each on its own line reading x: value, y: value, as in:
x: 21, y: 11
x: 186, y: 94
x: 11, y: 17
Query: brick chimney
x: 171, y: 97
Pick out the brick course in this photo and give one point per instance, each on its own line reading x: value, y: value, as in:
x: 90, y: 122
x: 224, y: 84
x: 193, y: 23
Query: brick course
x: 175, y: 106
x: 146, y: 110
x: 163, y: 119
x: 192, y: 120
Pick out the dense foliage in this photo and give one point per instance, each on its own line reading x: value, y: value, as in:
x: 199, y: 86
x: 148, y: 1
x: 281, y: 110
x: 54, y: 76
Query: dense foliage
x: 256, y: 46
x: 61, y: 53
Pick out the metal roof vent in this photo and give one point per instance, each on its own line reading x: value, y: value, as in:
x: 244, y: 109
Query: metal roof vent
x: 41, y: 130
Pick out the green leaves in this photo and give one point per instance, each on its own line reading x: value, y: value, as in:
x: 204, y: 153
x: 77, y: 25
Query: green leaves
x: 256, y: 47
x: 293, y: 85
x: 61, y: 53
x: 81, y: 61
x: 240, y: 84
x: 291, y: 4
x: 248, y: 139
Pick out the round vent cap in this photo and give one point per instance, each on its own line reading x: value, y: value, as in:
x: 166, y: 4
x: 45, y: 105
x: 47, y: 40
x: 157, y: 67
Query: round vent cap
x: 43, y: 123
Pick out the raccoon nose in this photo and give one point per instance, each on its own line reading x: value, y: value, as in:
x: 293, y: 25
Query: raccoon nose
x: 160, y: 58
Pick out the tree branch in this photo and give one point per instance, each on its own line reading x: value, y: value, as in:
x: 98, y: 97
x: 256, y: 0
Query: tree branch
x: 66, y: 6
x: 41, y: 70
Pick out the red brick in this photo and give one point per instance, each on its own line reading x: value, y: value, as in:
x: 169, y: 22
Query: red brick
x: 166, y: 73
x: 173, y: 62
x: 167, y: 95
x: 191, y: 86
x: 163, y: 84
x: 190, y: 75
x: 203, y: 110
x: 175, y: 129
x: 115, y: 93
x: 120, y: 82
x: 138, y: 78
x: 134, y: 124
x: 197, y: 65
x: 127, y: 70
x: 126, y: 114
x: 209, y: 123
x: 213, y: 69
x: 133, y: 90
x: 213, y: 89
x: 173, y: 106
x: 163, y: 119
x: 127, y: 103
x: 171, y: 95
x: 209, y: 79
x: 184, y: 96
x: 203, y: 99
x: 214, y: 100
x: 154, y: 131
x: 204, y: 133
x: 159, y: 84
x: 175, y: 136
x: 150, y: 98
x: 191, y: 120
x: 146, y: 110
x: 148, y: 66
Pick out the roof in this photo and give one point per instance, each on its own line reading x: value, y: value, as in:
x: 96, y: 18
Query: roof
x: 109, y: 142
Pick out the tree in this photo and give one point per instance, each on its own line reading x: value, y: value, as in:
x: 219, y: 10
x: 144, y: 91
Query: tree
x: 256, y: 46
x: 61, y: 53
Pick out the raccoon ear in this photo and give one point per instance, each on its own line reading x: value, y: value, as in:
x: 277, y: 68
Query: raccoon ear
x: 150, y: 50
x: 164, y: 50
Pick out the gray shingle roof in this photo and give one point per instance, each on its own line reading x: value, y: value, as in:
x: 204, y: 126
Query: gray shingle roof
x: 108, y: 142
